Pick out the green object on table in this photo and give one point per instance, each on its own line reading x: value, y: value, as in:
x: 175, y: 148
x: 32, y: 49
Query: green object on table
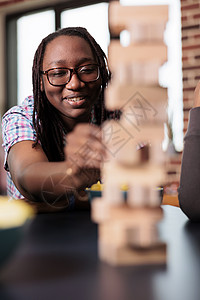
x: 97, y: 194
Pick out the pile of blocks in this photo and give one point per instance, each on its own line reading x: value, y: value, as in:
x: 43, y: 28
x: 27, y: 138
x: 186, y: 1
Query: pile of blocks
x: 128, y: 232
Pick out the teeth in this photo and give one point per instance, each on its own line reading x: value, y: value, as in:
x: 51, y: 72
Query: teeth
x: 76, y: 99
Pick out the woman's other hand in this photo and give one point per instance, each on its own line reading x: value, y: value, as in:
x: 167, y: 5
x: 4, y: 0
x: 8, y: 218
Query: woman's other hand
x: 84, y: 152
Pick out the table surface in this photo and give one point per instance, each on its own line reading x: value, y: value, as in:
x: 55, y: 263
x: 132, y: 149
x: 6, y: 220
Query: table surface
x: 58, y: 259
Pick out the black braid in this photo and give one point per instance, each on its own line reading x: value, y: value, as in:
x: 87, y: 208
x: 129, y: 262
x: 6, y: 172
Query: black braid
x: 47, y: 122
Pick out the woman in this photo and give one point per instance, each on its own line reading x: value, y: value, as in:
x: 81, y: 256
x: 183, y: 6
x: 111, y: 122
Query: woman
x: 189, y: 190
x: 52, y: 143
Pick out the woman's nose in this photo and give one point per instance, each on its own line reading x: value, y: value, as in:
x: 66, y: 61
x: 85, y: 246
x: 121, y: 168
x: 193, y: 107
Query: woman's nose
x: 74, y: 82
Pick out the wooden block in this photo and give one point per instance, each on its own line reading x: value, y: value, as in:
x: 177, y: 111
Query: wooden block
x: 112, y: 194
x: 148, y: 131
x: 122, y: 138
x: 126, y: 226
x: 143, y: 102
x: 150, y: 175
x: 123, y: 215
x: 142, y: 236
x: 154, y: 197
x: 135, y: 53
x: 138, y: 195
x: 132, y: 256
x: 129, y: 155
x: 121, y: 144
x: 141, y: 32
x: 116, y: 230
x: 145, y: 73
x: 122, y: 17
x: 156, y: 153
x: 130, y: 240
x: 141, y: 195
x: 128, y: 236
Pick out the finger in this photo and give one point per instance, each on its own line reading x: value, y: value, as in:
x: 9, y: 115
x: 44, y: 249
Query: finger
x: 84, y: 134
x: 82, y: 162
x: 89, y: 131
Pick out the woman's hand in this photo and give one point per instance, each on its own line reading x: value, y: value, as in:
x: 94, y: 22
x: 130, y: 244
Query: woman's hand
x: 84, y: 152
x: 197, y: 95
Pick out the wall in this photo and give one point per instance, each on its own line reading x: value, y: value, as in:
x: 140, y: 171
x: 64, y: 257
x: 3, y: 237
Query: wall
x: 190, y: 11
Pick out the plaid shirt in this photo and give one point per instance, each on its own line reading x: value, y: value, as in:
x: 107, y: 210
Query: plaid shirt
x: 17, y: 126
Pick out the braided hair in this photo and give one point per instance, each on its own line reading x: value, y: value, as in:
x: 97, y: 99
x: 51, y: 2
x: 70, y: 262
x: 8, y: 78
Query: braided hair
x: 46, y: 120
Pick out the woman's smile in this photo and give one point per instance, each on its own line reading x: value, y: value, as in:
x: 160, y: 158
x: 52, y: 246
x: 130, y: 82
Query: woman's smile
x: 75, y: 101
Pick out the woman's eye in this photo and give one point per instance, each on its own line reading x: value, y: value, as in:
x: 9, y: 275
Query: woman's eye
x: 87, y: 70
x: 58, y: 74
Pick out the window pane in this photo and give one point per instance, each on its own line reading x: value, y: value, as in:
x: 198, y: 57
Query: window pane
x: 31, y: 29
x: 171, y: 72
x: 93, y: 17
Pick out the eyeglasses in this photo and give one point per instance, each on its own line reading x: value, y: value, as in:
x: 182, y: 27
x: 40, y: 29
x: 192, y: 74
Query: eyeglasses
x: 61, y: 76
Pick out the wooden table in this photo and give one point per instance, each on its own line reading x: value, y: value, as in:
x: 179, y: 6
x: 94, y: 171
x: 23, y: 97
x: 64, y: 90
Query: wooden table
x: 58, y: 260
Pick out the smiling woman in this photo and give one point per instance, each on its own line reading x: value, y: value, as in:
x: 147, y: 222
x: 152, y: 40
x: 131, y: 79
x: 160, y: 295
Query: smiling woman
x: 52, y: 141
x: 76, y: 100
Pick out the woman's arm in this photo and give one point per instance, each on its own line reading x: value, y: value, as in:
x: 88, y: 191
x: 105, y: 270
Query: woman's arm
x: 40, y: 180
x: 189, y: 190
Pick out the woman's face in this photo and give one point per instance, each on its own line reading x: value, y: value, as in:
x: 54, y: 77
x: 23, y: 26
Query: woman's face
x: 74, y: 100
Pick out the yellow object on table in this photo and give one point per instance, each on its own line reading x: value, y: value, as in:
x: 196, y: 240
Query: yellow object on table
x: 14, y: 213
x: 99, y: 187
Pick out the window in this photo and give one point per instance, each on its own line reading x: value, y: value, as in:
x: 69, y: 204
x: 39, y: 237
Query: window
x: 171, y: 72
x: 93, y: 17
x: 30, y: 31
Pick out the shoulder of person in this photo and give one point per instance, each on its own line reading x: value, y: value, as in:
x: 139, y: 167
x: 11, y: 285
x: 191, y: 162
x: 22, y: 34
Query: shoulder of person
x: 25, y: 108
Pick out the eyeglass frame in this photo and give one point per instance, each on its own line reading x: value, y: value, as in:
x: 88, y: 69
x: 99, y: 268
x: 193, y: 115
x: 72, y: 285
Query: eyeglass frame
x: 72, y: 71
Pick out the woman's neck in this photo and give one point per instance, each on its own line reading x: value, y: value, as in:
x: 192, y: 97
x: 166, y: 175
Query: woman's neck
x: 70, y: 123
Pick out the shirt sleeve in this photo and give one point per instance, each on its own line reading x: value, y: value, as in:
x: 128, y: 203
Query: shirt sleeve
x: 17, y: 126
x: 189, y: 189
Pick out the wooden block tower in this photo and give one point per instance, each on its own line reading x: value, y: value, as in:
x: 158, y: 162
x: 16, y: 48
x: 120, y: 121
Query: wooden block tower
x: 128, y: 228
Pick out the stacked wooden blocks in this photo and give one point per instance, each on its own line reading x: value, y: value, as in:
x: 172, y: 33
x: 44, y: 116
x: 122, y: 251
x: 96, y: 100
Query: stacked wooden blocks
x: 128, y: 228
